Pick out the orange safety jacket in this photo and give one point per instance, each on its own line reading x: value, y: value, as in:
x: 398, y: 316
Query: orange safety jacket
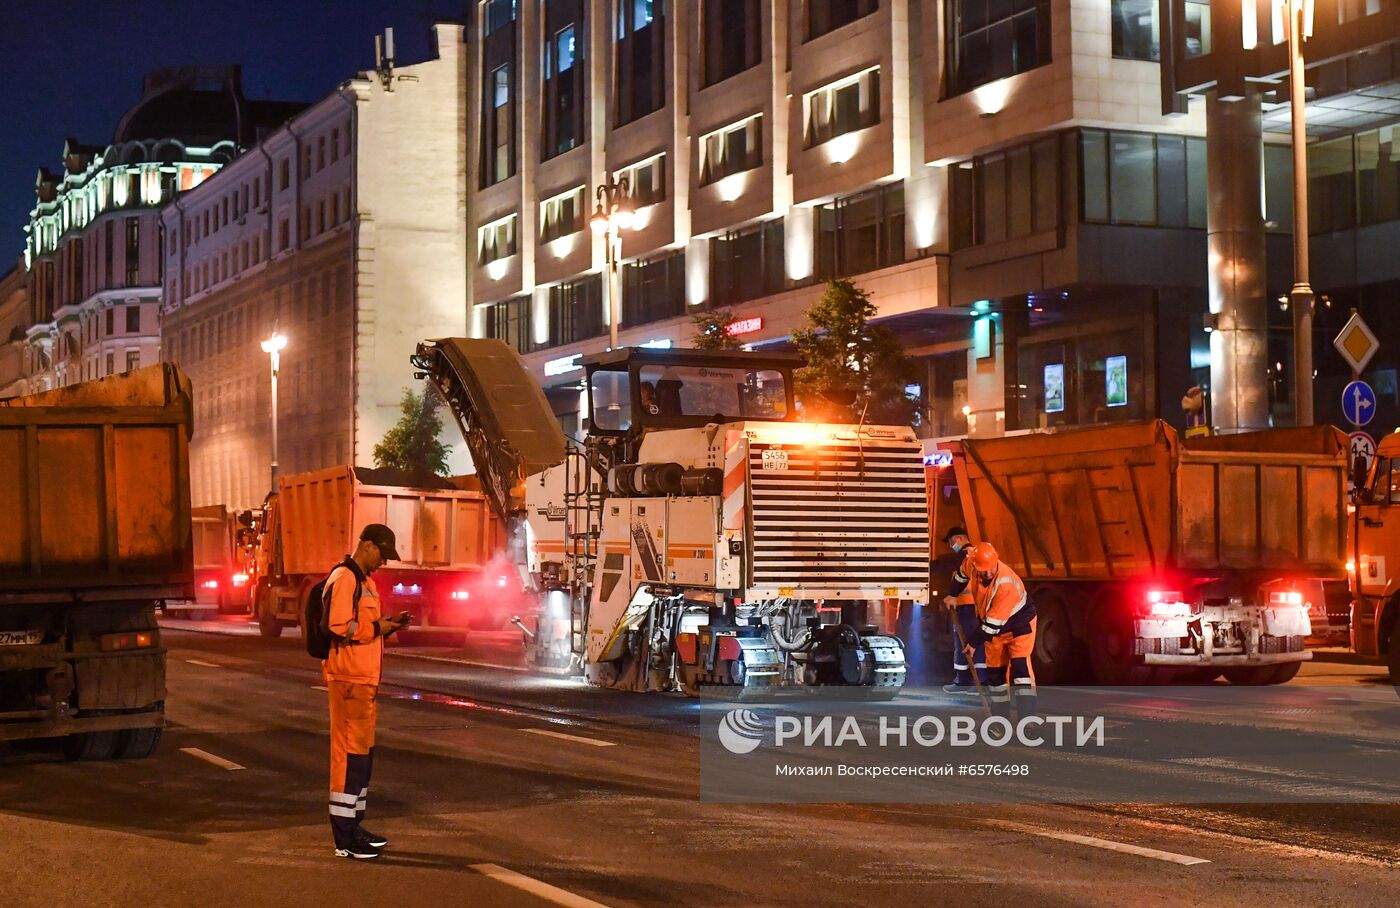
x: 357, y: 657
x: 998, y: 602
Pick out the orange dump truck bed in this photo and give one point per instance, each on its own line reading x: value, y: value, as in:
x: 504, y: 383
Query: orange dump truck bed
x: 1113, y: 502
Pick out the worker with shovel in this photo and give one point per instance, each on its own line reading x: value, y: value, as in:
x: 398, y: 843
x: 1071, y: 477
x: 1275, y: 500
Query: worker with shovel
x: 1005, y: 624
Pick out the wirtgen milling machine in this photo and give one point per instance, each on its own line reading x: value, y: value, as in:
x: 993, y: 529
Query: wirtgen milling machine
x: 700, y: 537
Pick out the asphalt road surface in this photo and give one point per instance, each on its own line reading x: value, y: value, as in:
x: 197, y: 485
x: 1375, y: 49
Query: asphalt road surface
x: 497, y: 787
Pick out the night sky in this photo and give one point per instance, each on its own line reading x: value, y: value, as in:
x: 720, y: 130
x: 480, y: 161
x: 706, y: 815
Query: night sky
x: 71, y: 68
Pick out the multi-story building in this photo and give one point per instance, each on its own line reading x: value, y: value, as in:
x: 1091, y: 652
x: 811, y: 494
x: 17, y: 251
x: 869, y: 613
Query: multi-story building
x: 93, y: 242
x: 14, y: 318
x: 343, y: 231
x: 1000, y: 177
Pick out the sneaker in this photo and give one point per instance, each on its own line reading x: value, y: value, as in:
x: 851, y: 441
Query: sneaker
x: 965, y: 689
x: 360, y: 851
x: 373, y: 840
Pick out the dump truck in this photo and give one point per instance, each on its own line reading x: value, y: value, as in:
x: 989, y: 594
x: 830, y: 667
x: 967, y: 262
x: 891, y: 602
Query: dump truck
x: 451, y: 575
x: 1374, y: 543
x: 220, y: 572
x: 1151, y: 559
x: 94, y: 485
x: 701, y: 537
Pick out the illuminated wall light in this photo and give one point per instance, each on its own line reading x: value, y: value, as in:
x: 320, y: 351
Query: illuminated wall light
x: 663, y: 343
x: 732, y: 186
x: 640, y: 218
x: 923, y: 226
x: 496, y: 269
x: 564, y: 246
x: 1249, y: 25
x: 563, y: 365
x: 842, y: 148
x: 991, y: 98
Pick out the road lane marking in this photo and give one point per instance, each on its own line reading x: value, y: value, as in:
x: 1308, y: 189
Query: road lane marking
x: 1106, y: 844
x: 318, y: 687
x: 579, y: 738
x: 205, y: 664
x: 474, y: 663
x: 535, y: 887
x: 207, y: 757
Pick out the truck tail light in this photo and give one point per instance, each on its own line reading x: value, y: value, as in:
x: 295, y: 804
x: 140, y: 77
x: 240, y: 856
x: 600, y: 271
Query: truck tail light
x: 1285, y: 597
x: 1351, y: 567
x: 239, y: 579
x: 1166, y: 604
x: 127, y: 640
x: 459, y: 595
x: 501, y: 583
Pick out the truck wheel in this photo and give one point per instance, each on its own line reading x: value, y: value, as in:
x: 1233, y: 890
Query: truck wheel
x: 1111, y: 646
x: 1394, y: 653
x: 1286, y: 671
x: 1251, y: 674
x: 138, y: 743
x: 90, y: 745
x: 268, y: 625
x: 1057, y: 655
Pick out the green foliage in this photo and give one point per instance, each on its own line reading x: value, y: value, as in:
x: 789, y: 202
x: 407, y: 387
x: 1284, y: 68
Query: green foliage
x: 712, y: 330
x: 412, y: 443
x: 851, y: 366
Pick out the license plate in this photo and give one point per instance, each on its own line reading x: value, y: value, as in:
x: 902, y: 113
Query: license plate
x: 20, y: 638
x: 775, y: 460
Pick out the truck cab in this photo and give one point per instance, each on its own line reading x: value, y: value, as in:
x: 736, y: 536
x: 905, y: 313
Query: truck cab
x: 1375, y: 548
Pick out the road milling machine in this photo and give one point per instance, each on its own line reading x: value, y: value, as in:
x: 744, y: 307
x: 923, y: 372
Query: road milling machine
x: 700, y: 537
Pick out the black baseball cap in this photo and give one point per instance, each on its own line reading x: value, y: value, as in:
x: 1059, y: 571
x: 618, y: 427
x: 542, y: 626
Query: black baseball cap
x: 383, y: 538
x: 954, y: 531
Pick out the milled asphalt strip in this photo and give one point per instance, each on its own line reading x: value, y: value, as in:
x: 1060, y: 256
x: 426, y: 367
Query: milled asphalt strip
x: 205, y: 664
x: 1106, y: 844
x: 535, y: 887
x: 207, y: 757
x: 579, y: 738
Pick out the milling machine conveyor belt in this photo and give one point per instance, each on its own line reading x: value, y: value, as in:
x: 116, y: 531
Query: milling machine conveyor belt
x: 508, y: 424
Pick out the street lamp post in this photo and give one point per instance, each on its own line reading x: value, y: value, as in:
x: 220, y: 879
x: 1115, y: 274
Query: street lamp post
x: 1300, y: 299
x: 274, y: 346
x: 611, y: 216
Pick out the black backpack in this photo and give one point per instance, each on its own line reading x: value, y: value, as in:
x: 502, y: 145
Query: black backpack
x: 316, y: 623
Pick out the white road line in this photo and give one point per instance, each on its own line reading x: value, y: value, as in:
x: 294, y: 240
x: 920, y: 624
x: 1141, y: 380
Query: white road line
x: 207, y: 757
x: 535, y: 887
x: 205, y: 664
x: 1106, y: 844
x: 318, y: 687
x: 453, y: 661
x: 579, y: 738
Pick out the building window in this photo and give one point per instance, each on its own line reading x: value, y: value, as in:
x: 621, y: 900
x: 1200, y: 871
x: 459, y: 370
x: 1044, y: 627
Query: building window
x: 1143, y: 179
x: 654, y: 289
x: 133, y: 319
x: 746, y: 264
x: 993, y: 39
x: 861, y: 232
x: 1378, y: 154
x: 731, y: 150
x: 1135, y: 34
x: 509, y: 321
x: 1007, y: 195
x: 499, y: 13
x: 108, y: 250
x: 285, y: 177
x: 1332, y: 185
x: 844, y: 106
x: 497, y: 240
x: 828, y: 15
x: 320, y: 152
x: 576, y: 311
x: 640, y: 58
x: 563, y: 93
x: 561, y: 215
x: 646, y: 181
x: 284, y: 235
x: 133, y: 360
x: 133, y: 251
x: 732, y: 36
x: 498, y: 132
x: 111, y: 364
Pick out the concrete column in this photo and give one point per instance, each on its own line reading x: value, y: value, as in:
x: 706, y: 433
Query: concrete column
x: 1239, y: 350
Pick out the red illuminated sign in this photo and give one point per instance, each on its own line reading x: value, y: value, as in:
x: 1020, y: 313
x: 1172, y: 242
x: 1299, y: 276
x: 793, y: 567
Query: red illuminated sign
x: 745, y: 326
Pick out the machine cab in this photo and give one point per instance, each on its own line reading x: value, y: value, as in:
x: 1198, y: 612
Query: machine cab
x: 1377, y: 528
x: 634, y: 390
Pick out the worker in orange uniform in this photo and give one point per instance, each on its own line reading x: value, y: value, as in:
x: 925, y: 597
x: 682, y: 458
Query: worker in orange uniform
x: 355, y: 623
x: 1005, y: 623
x: 960, y: 606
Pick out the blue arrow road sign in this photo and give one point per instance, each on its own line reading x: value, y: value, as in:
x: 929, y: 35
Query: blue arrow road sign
x: 1358, y: 403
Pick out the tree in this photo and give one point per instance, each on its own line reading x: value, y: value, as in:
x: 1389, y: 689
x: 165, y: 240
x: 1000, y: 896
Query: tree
x: 712, y: 330
x: 852, y: 368
x: 412, y: 443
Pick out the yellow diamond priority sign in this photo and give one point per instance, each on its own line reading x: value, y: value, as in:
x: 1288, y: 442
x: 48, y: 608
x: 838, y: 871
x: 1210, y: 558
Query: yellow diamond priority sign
x: 1356, y: 343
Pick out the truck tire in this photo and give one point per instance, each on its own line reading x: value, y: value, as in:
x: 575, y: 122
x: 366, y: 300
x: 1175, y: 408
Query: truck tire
x: 1286, y: 671
x: 1251, y: 675
x: 1111, y: 646
x: 268, y: 625
x: 1058, y: 656
x: 90, y: 745
x: 1393, y: 652
x: 138, y: 743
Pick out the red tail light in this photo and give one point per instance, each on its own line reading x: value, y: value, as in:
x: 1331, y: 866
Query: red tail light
x: 460, y: 595
x: 1285, y: 597
x: 238, y: 579
x: 127, y: 640
x: 210, y: 584
x: 1166, y: 604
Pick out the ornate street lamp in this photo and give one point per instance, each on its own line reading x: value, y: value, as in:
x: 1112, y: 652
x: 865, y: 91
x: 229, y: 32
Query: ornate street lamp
x: 611, y: 216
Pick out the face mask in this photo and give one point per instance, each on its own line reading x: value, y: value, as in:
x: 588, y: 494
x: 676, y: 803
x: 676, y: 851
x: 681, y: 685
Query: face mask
x: 959, y: 547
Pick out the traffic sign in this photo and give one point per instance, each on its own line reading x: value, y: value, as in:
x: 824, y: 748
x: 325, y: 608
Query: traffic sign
x: 1362, y: 446
x: 1358, y: 403
x: 1356, y: 343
